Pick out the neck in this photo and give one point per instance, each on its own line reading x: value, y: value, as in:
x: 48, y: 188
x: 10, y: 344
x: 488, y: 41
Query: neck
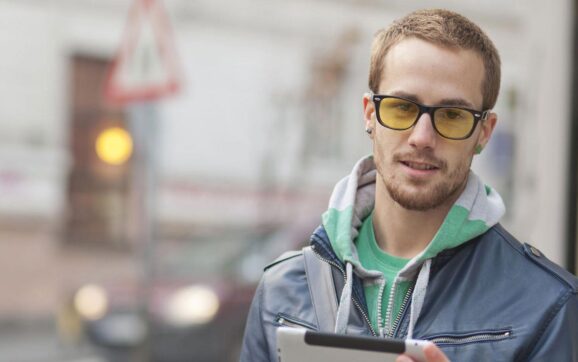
x: 401, y: 232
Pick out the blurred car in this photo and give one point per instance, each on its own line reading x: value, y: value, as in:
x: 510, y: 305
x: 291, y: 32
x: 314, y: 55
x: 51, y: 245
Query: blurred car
x: 195, y: 305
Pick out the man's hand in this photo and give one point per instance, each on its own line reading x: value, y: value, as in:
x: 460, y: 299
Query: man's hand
x: 432, y: 354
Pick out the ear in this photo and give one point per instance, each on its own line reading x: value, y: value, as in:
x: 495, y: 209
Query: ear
x: 487, y: 128
x: 369, y: 113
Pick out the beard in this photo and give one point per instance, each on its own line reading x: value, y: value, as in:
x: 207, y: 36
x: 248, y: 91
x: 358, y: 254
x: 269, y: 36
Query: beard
x: 420, y: 195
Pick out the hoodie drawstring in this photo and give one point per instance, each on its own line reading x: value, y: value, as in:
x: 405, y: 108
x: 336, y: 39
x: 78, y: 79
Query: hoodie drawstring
x: 345, y: 301
x: 418, y: 295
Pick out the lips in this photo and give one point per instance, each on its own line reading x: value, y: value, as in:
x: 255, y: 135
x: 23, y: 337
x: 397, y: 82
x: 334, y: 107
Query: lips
x: 422, y: 166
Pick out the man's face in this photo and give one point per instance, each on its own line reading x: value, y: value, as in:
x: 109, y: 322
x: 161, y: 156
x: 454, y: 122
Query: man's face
x: 420, y: 169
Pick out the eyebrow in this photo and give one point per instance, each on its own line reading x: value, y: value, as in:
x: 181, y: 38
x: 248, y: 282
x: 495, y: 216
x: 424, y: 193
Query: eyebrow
x: 458, y: 102
x: 454, y: 102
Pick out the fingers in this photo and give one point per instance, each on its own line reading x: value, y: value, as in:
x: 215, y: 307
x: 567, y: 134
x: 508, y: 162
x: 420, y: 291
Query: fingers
x: 432, y: 354
x: 403, y: 358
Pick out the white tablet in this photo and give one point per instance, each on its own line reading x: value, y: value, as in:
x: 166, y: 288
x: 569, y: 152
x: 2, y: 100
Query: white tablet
x: 302, y: 345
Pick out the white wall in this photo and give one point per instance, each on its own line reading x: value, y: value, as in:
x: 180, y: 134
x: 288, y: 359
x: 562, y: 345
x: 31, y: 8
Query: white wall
x: 545, y: 123
x: 31, y: 128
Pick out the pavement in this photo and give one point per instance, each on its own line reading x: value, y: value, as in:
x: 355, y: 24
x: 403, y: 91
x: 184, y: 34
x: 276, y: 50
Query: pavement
x: 39, y: 341
x: 39, y: 275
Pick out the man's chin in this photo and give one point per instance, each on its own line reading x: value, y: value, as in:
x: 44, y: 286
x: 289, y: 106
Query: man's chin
x: 423, y: 200
x: 412, y: 205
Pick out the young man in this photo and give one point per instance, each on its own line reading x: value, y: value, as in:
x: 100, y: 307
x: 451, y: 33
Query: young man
x: 411, y: 236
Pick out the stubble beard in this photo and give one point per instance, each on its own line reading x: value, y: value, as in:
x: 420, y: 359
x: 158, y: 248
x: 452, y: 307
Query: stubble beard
x: 427, y: 197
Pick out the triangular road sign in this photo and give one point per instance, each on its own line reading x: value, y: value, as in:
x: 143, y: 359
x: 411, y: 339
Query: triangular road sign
x: 146, y: 65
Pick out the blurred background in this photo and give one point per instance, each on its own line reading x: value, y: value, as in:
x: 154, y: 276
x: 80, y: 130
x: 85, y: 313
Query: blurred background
x: 137, y: 230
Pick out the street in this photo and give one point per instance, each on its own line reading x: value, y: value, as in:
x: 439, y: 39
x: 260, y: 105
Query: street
x: 39, y: 342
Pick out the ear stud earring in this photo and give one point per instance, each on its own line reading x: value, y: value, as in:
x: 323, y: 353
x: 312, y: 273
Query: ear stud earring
x: 368, y: 130
x: 479, y: 149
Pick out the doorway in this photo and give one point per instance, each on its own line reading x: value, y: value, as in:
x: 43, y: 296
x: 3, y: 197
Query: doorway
x: 97, y: 191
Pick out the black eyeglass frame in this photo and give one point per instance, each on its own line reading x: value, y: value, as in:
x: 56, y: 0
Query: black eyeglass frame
x: 478, y: 115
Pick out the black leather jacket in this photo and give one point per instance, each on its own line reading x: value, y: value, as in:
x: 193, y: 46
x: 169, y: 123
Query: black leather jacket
x: 490, y: 299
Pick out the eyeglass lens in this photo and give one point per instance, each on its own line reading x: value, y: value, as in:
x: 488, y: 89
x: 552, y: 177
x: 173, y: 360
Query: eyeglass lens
x: 450, y: 122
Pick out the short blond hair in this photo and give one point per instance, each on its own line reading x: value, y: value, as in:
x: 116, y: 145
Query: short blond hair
x: 442, y: 27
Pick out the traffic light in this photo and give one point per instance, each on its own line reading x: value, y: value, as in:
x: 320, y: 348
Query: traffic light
x: 114, y: 146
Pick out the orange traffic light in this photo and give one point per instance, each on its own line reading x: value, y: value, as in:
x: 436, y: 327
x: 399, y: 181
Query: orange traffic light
x: 114, y: 146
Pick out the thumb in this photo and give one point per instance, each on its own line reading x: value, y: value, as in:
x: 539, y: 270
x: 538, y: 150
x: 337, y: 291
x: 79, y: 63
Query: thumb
x: 434, y: 354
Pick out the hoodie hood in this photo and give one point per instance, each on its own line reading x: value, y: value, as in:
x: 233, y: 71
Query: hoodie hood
x: 478, y: 208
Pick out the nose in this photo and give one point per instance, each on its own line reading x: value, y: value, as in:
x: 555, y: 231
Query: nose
x: 423, y: 135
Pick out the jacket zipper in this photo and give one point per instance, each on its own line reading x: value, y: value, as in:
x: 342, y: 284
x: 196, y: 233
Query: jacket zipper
x: 365, y: 317
x: 380, y: 324
x: 388, y: 311
x: 404, y: 305
x: 474, y: 338
x: 391, y: 300
x: 292, y: 322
